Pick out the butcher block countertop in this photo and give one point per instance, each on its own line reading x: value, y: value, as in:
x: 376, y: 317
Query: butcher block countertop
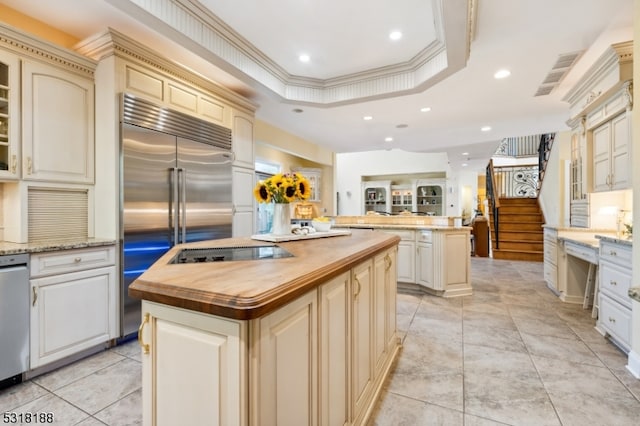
x: 248, y: 289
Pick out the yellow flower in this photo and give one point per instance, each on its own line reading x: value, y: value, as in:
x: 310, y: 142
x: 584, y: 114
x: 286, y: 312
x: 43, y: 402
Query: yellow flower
x: 282, y: 188
x: 261, y: 192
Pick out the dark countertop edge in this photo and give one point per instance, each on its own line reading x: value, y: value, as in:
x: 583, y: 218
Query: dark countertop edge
x: 254, y: 307
x: 8, y: 248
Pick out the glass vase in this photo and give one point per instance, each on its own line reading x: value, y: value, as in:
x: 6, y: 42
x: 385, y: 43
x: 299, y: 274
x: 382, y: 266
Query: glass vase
x: 281, y: 219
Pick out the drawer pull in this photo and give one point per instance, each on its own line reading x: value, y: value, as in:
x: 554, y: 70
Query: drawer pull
x: 144, y: 346
x: 613, y: 282
x: 35, y: 295
x: 613, y: 320
x: 612, y: 253
x: 77, y: 260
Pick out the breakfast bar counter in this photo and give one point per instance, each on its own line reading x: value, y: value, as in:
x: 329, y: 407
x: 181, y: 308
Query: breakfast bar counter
x: 301, y: 339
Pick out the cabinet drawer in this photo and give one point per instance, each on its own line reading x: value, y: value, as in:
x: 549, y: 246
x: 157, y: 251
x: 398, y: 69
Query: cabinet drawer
x: 615, y: 253
x: 615, y: 283
x: 550, y: 253
x: 424, y: 236
x: 64, y: 261
x: 404, y: 235
x: 616, y: 320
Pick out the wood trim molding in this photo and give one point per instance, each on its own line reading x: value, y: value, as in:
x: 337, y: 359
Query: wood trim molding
x: 198, y: 30
x: 29, y: 46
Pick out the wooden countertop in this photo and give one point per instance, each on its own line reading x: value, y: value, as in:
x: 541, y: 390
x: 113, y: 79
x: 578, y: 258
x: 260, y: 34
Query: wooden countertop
x: 249, y: 289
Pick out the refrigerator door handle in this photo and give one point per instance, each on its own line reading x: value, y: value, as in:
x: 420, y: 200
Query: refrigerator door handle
x: 182, y: 177
x: 173, y: 211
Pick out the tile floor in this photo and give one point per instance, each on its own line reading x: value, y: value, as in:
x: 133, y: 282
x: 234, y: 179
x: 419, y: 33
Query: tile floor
x: 511, y: 354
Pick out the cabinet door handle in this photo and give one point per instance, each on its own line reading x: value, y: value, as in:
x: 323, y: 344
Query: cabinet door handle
x: 387, y: 261
x: 34, y: 289
x: 144, y: 346
x: 358, y: 288
x: 14, y: 164
x: 29, y: 165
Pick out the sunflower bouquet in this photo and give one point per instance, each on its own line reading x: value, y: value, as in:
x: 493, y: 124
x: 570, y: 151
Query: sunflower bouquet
x: 282, y: 188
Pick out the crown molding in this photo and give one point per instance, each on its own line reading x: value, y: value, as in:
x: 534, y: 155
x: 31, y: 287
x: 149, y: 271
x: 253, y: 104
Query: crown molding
x: 197, y: 29
x: 618, y: 58
x: 113, y: 43
x: 30, y: 46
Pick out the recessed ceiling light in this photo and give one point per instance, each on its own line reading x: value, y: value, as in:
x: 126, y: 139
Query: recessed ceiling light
x: 367, y: 118
x: 395, y: 35
x: 425, y: 109
x: 502, y: 74
x: 464, y: 164
x: 465, y: 153
x: 485, y: 128
x: 388, y: 139
x: 304, y: 58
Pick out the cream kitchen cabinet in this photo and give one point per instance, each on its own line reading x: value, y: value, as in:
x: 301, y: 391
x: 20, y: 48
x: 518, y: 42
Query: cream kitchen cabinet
x: 406, y: 261
x: 334, y: 309
x: 57, y: 124
x: 318, y: 360
x: 444, y: 262
x: 73, y: 302
x: 215, y: 375
x: 611, y: 141
x: 424, y: 261
x: 615, y: 277
x: 46, y: 111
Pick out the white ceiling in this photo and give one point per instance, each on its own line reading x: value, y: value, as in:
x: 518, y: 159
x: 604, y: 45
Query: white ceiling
x: 349, y: 47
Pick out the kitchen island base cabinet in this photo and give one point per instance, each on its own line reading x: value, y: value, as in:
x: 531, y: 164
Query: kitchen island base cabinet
x: 194, y: 370
x: 320, y: 359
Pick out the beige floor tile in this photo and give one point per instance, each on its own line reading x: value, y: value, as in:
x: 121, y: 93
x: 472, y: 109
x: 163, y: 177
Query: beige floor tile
x: 20, y: 394
x: 124, y: 412
x: 560, y: 348
x: 63, y: 412
x: 83, y: 368
x: 396, y: 410
x: 104, y: 387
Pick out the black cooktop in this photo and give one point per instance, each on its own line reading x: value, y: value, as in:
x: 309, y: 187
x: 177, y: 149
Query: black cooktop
x: 226, y: 254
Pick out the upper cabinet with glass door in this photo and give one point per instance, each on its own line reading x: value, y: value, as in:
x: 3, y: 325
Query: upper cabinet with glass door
x: 9, y: 113
x: 313, y: 176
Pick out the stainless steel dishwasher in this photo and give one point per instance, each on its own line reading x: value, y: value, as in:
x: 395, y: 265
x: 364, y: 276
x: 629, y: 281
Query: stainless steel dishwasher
x: 14, y: 318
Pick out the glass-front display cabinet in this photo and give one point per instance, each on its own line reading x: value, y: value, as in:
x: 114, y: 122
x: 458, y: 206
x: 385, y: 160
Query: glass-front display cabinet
x: 401, y: 199
x: 430, y: 197
x: 376, y: 196
x: 8, y: 114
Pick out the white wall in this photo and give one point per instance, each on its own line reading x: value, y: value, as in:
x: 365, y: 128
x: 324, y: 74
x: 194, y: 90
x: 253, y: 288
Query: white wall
x: 350, y: 167
x: 554, y: 194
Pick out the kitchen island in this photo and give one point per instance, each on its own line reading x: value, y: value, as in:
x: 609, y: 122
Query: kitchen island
x: 304, y: 339
x: 434, y: 255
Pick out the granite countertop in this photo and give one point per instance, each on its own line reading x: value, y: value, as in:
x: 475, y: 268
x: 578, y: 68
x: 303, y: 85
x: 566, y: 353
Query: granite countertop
x: 612, y: 239
x: 248, y: 289
x: 7, y: 248
x: 592, y: 243
x: 401, y: 226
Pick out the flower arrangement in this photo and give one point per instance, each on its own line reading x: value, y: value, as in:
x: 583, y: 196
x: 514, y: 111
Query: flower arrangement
x: 282, y: 189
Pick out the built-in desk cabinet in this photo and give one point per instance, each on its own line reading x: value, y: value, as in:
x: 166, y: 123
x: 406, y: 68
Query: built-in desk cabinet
x: 320, y: 359
x: 615, y: 278
x: 73, y: 302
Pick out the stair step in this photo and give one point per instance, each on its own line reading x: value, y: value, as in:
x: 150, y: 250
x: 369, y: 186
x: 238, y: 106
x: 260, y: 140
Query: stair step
x: 520, y: 217
x: 519, y: 226
x: 521, y: 235
x: 526, y: 246
x: 530, y: 256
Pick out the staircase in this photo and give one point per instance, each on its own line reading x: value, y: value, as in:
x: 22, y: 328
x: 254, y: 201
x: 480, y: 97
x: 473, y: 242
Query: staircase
x: 520, y: 230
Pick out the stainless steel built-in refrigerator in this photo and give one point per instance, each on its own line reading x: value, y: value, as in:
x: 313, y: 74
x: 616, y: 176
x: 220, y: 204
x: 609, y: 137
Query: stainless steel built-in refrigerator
x: 175, y: 188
